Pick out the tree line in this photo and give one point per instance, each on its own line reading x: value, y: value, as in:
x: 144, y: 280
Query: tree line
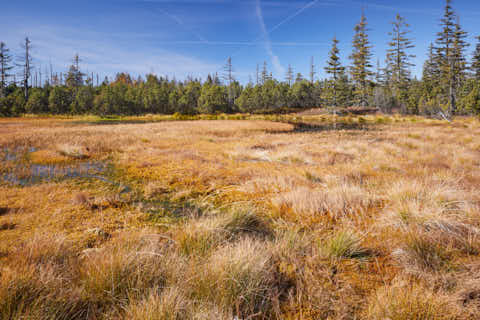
x: 450, y: 83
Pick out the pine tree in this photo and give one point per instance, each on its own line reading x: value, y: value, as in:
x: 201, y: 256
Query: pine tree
x: 334, y: 68
x: 397, y: 60
x: 289, y: 75
x: 361, y: 55
x: 5, y: 67
x: 476, y: 60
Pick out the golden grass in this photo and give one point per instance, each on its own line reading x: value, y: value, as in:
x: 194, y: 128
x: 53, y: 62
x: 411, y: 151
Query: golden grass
x: 402, y: 301
x: 246, y: 219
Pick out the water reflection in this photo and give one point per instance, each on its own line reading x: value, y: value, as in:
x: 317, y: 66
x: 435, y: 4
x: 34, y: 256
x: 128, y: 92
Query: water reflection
x: 24, y: 174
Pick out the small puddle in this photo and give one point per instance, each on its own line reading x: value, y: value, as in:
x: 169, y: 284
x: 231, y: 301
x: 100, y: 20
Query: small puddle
x: 7, y: 154
x: 25, y: 174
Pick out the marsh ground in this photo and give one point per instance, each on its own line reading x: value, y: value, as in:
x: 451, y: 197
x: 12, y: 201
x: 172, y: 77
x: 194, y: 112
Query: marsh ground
x: 371, y: 218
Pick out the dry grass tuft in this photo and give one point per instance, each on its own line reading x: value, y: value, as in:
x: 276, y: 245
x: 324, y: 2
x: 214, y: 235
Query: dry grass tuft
x: 401, y: 301
x: 199, y: 237
x: 74, y: 151
x: 468, y: 294
x: 170, y: 304
x: 241, y: 279
x: 421, y: 254
x: 123, y: 267
x: 81, y: 199
x: 336, y: 201
x: 26, y: 295
x: 455, y: 235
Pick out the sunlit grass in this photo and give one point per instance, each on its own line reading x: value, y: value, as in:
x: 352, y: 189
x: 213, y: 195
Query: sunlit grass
x: 241, y: 216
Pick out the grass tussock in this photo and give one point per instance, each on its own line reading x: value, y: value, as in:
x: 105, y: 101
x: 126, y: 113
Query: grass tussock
x: 345, y: 245
x: 336, y: 201
x: 200, y: 237
x: 169, y: 304
x: 401, y: 301
x: 26, y: 295
x: 123, y: 268
x: 421, y: 254
x: 74, y: 151
x: 241, y: 279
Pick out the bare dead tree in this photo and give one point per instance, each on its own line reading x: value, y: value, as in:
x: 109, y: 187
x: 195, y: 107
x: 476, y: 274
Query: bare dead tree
x: 312, y: 70
x: 26, y: 64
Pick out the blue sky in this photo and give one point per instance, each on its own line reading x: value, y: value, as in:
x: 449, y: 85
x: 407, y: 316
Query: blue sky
x: 194, y: 37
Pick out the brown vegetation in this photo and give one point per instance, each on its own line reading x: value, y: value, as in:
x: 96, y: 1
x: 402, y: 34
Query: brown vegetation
x: 250, y: 219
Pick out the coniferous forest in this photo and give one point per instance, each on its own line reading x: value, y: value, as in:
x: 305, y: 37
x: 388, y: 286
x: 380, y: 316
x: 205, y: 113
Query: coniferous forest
x: 450, y: 82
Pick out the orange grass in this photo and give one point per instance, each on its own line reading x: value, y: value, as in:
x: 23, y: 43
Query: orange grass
x: 243, y: 218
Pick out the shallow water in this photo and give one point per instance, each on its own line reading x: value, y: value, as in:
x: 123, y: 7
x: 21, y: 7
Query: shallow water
x: 7, y: 154
x: 24, y: 174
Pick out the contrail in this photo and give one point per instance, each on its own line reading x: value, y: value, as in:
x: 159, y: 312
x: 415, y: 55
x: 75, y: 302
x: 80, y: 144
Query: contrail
x: 181, y: 23
x: 246, y: 43
x: 268, y: 45
x: 287, y: 19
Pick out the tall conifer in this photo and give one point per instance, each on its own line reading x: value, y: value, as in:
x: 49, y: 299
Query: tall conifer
x: 398, y: 59
x: 361, y: 56
x: 5, y: 67
x: 334, y: 68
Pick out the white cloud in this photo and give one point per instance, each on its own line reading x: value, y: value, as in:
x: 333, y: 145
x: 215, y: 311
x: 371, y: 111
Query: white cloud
x: 100, y: 53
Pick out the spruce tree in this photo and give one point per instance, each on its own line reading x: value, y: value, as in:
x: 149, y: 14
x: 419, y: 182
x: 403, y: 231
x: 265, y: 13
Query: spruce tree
x: 379, y: 75
x: 475, y: 66
x: 459, y: 58
x: 450, y: 49
x: 431, y: 71
x: 5, y: 67
x: 74, y: 76
x: 334, y: 68
x: 476, y: 60
x: 398, y: 63
x: 361, y: 56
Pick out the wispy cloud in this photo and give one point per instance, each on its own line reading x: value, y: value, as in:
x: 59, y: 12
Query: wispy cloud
x: 106, y: 56
x: 279, y: 69
x: 246, y: 43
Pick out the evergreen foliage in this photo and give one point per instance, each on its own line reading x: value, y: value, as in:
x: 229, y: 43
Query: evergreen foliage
x: 446, y: 85
x: 361, y: 56
x: 398, y: 59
